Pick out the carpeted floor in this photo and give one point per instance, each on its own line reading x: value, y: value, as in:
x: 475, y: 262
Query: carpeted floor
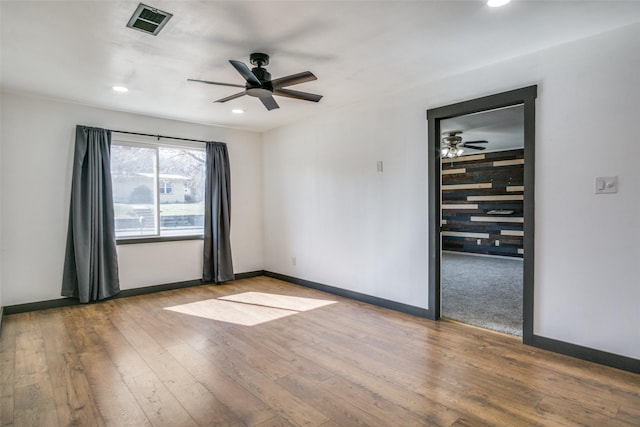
x: 482, y: 291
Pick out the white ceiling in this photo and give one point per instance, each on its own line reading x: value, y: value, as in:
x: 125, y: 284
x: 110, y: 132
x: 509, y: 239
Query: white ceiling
x: 77, y: 50
x: 502, y: 128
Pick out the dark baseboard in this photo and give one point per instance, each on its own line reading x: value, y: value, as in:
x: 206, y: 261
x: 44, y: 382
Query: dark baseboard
x: 585, y: 353
x: 1, y: 314
x: 380, y: 302
x: 68, y: 302
x: 157, y: 288
x: 249, y: 274
x: 40, y: 305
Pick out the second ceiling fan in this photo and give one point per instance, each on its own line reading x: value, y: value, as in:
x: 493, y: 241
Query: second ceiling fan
x: 452, y: 144
x: 259, y: 84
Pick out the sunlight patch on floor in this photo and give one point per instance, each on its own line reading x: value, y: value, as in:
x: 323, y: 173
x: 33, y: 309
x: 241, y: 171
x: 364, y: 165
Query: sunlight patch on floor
x: 285, y: 302
x: 250, y: 308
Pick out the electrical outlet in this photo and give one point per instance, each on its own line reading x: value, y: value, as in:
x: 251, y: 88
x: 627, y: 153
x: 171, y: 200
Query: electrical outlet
x: 478, y: 242
x: 293, y: 261
x: 497, y: 242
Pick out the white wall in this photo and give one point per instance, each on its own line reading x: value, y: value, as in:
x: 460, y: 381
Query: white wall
x: 351, y: 227
x: 1, y: 241
x: 347, y: 224
x: 37, y: 153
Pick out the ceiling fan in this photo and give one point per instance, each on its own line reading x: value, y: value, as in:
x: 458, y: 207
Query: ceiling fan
x: 259, y: 83
x: 453, y: 146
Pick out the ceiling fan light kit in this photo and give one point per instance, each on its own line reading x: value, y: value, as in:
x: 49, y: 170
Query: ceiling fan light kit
x: 260, y: 85
x: 451, y: 152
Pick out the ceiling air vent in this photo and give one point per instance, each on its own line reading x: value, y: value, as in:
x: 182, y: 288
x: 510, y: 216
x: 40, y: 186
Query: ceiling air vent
x: 148, y: 19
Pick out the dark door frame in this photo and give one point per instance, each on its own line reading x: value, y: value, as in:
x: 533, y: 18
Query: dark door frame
x: 527, y: 96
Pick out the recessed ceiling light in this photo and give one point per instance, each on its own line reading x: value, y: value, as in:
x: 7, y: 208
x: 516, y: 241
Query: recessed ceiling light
x: 120, y: 89
x: 237, y: 111
x: 497, y: 3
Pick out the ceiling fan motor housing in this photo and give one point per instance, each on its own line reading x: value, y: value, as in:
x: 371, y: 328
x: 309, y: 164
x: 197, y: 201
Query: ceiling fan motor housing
x: 265, y: 88
x: 452, y: 139
x: 259, y: 59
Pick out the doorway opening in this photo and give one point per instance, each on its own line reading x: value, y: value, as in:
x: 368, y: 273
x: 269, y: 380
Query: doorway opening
x: 439, y: 121
x: 482, y: 211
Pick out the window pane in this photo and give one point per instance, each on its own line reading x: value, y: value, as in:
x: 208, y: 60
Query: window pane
x: 181, y: 177
x: 134, y: 190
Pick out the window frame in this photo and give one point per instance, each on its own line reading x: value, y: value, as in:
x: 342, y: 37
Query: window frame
x: 147, y: 142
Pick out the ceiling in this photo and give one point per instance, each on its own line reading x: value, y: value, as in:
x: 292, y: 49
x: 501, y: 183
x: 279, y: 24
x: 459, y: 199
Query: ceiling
x: 502, y: 128
x: 359, y: 50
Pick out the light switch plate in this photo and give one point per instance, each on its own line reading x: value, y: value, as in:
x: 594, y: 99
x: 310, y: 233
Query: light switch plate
x: 606, y: 184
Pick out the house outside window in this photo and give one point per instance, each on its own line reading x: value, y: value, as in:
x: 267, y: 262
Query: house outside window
x: 158, y: 189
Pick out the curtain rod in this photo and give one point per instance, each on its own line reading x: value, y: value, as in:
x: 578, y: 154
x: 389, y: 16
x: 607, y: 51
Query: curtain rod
x: 163, y: 136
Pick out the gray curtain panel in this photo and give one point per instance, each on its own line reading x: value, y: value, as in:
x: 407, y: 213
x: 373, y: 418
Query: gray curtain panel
x: 218, y: 265
x: 91, y: 263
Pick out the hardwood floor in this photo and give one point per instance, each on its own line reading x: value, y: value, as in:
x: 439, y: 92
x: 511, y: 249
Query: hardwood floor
x: 259, y: 359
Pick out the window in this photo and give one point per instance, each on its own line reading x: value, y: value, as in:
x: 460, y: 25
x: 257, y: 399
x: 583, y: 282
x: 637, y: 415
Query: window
x: 158, y: 190
x: 166, y: 187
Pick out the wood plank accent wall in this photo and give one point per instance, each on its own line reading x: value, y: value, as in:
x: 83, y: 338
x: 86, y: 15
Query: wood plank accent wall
x: 473, y: 188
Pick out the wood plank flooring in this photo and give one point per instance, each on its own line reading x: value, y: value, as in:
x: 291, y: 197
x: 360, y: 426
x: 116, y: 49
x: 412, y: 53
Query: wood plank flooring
x: 255, y: 359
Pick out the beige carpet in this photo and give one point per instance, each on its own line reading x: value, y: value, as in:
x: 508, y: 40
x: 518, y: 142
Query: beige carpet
x: 482, y: 291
